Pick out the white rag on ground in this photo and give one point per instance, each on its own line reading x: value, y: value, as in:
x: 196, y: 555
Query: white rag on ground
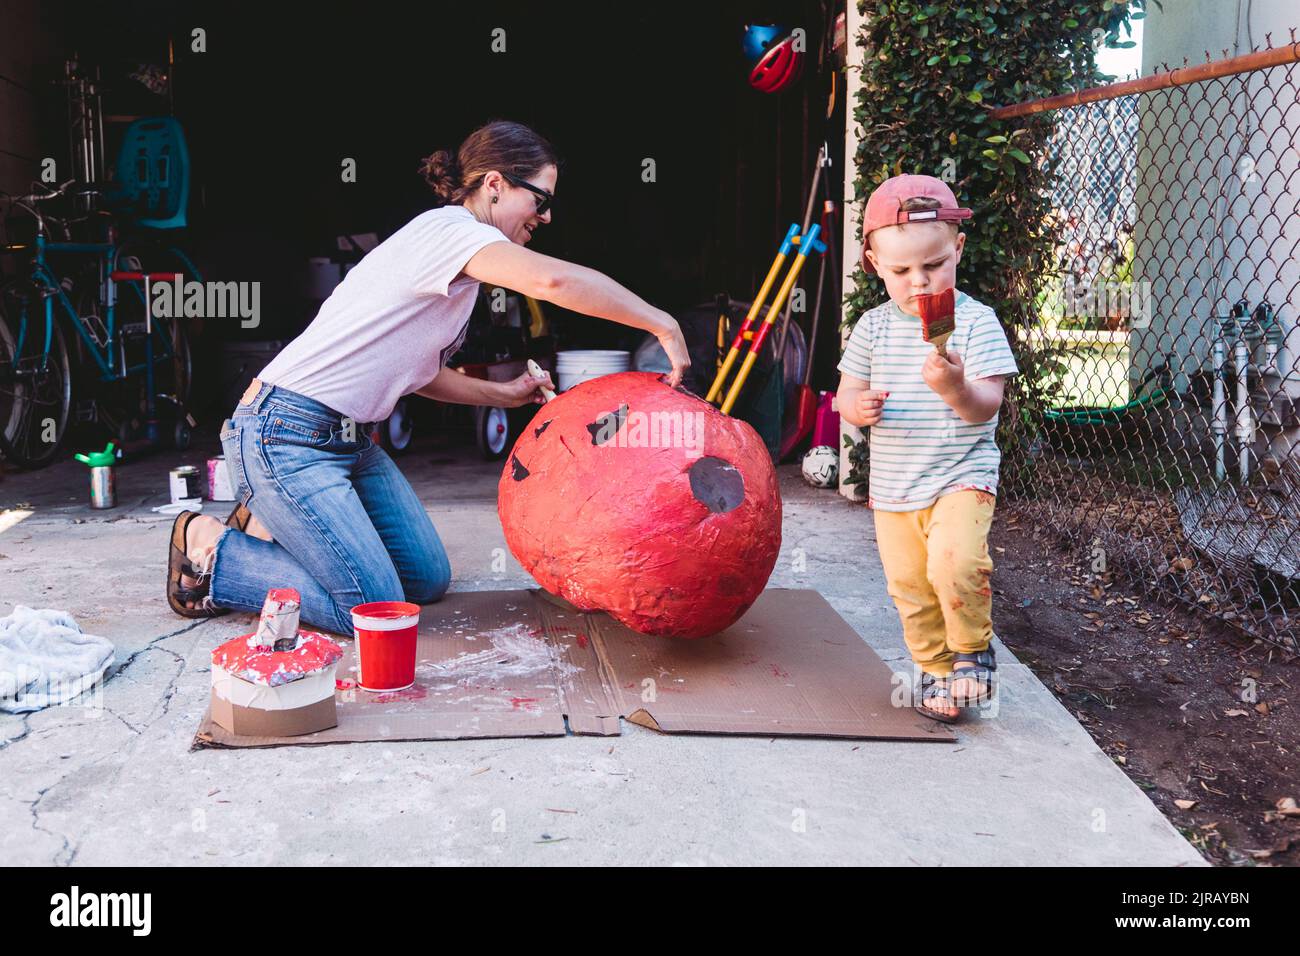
x: 46, y: 659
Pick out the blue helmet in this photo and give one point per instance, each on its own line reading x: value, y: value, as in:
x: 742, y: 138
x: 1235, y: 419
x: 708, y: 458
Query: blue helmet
x: 757, y: 39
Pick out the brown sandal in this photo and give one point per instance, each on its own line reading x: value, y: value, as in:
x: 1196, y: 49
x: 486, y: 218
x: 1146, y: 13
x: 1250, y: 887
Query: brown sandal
x: 178, y: 563
x: 239, y: 518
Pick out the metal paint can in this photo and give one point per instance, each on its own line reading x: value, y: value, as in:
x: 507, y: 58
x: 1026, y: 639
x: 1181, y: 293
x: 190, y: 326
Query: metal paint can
x: 103, y: 487
x: 219, y: 486
x: 185, y: 484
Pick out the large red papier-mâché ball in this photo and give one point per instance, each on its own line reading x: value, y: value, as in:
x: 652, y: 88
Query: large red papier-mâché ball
x: 628, y: 496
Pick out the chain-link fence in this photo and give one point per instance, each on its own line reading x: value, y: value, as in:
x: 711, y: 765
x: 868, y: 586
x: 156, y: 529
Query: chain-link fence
x: 1162, y: 426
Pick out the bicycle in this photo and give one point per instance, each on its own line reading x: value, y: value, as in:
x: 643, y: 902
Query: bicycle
x: 38, y: 376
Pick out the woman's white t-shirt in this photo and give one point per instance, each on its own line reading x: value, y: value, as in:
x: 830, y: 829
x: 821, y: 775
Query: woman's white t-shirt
x: 391, y: 324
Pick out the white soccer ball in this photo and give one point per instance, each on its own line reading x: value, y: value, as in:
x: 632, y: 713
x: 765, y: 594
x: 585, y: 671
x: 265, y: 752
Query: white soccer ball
x: 821, y: 466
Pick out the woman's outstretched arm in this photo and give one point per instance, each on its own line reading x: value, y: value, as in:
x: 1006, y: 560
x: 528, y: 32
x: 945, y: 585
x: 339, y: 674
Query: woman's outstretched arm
x: 579, y: 289
x: 460, y: 389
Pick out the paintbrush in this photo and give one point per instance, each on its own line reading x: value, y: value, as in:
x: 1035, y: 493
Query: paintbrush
x: 937, y: 321
x: 535, y: 371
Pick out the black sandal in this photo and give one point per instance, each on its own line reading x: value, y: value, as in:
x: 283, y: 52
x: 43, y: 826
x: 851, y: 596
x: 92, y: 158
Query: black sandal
x: 982, y: 673
x: 932, y: 686
x: 178, y: 563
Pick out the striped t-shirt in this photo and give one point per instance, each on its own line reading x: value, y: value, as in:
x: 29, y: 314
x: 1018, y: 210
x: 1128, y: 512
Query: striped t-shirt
x: 921, y: 449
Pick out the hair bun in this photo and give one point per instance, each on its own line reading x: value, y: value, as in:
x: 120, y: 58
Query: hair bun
x: 498, y: 145
x: 442, y: 173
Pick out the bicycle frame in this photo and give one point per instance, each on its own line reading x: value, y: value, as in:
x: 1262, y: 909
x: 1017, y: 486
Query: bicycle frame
x: 107, y: 256
x: 40, y: 291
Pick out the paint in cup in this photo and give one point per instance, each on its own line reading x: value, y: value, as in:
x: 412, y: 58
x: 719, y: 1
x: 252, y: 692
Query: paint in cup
x: 386, y: 634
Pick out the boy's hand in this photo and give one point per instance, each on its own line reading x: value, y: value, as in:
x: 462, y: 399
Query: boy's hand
x: 945, y: 375
x: 870, y: 406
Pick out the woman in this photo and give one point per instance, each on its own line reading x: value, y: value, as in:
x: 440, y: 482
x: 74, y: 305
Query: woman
x: 335, y: 518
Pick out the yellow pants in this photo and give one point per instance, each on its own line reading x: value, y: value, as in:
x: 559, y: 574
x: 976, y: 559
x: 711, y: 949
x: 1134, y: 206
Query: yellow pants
x: 938, y: 567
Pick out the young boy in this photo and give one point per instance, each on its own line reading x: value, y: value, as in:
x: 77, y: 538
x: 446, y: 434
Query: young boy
x: 934, y: 461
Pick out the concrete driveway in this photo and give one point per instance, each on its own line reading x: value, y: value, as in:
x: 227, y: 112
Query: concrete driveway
x: 117, y: 783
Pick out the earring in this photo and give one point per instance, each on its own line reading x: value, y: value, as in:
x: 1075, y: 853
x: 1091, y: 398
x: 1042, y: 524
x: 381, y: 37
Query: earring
x: 495, y: 198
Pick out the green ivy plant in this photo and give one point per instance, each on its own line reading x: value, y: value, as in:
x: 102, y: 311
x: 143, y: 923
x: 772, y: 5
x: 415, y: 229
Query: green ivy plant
x: 931, y: 74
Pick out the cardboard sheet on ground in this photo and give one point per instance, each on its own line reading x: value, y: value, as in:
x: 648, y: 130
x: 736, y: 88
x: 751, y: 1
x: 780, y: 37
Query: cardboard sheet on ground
x: 522, y: 663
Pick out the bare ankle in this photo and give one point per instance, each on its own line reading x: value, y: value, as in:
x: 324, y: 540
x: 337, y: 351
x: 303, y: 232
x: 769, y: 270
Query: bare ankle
x: 203, y: 534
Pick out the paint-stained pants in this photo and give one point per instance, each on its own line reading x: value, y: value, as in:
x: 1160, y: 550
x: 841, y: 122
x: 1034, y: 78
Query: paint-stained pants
x: 937, y: 566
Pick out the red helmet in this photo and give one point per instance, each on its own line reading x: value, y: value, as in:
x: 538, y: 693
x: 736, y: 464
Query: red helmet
x: 780, y: 66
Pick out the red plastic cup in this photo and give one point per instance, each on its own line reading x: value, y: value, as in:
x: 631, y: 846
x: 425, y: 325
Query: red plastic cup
x: 386, y: 632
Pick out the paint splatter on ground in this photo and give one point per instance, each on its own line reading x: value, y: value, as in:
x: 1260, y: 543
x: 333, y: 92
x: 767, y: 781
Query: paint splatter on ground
x: 517, y: 650
x: 519, y: 660
x: 411, y: 693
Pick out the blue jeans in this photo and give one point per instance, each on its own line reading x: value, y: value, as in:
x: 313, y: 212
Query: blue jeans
x: 348, y: 527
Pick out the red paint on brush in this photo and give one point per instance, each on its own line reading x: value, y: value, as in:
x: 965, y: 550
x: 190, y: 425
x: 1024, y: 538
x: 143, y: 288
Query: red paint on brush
x: 937, y: 320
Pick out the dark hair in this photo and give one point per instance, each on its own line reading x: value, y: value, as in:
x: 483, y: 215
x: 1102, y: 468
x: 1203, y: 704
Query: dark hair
x: 920, y: 202
x: 501, y: 145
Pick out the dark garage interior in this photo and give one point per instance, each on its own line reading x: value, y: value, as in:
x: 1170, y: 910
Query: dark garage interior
x: 279, y: 97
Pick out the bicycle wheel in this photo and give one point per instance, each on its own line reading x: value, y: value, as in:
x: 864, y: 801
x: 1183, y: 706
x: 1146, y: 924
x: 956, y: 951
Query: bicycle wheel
x: 174, y: 370
x: 7, y: 348
x: 123, y: 402
x: 36, y: 385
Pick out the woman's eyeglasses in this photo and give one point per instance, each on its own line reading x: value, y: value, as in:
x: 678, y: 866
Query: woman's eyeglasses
x: 546, y: 200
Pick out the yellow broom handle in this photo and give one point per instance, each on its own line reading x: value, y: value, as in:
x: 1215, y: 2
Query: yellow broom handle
x: 808, y: 244
x: 736, y: 344
x: 715, y: 390
x: 768, y: 322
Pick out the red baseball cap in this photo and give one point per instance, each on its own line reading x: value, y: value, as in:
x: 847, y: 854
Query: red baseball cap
x: 885, y: 206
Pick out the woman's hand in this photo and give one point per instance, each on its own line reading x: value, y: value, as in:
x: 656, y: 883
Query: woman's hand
x: 674, y: 346
x: 525, y: 389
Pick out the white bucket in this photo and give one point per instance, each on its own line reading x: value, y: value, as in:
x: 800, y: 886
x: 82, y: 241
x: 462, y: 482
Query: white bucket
x: 581, y: 365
